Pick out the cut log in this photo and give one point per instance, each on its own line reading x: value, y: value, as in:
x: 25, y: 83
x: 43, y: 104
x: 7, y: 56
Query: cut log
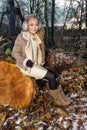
x: 16, y: 89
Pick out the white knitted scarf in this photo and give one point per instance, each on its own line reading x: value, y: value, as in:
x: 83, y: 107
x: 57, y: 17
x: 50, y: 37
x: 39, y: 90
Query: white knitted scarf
x: 34, y: 41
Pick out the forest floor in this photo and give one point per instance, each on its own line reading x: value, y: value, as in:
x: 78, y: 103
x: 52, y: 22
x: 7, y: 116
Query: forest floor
x: 44, y: 113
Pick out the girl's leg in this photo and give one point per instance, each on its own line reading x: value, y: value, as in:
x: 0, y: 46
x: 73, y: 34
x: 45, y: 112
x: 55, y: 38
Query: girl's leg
x: 54, y: 91
x: 51, y: 80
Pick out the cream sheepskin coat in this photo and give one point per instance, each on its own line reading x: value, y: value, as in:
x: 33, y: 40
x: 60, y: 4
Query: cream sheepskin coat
x: 23, y: 51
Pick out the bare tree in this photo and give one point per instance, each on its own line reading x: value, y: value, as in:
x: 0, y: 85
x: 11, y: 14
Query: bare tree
x: 46, y: 21
x: 86, y: 13
x: 52, y: 22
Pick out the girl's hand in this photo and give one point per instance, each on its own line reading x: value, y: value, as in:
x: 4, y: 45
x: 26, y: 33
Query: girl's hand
x: 42, y: 63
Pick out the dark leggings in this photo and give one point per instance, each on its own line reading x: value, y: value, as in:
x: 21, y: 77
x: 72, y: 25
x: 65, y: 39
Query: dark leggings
x: 53, y: 84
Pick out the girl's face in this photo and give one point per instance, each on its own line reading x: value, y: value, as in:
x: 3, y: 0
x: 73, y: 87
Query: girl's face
x: 33, y: 25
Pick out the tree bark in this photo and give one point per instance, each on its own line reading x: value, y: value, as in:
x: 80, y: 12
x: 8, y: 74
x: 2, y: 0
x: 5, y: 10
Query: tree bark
x: 12, y: 17
x: 52, y: 22
x: 86, y: 14
x: 46, y: 20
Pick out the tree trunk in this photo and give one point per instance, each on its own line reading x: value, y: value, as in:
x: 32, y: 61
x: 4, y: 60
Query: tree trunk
x: 86, y: 14
x: 12, y: 17
x: 37, y: 7
x: 31, y: 7
x: 52, y: 22
x: 46, y: 21
x: 4, y: 13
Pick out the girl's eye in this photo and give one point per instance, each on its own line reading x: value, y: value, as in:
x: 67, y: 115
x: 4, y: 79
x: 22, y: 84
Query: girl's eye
x: 36, y: 24
x: 33, y: 25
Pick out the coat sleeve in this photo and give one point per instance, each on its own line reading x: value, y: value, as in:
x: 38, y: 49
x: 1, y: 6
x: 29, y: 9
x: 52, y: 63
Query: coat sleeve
x: 17, y: 52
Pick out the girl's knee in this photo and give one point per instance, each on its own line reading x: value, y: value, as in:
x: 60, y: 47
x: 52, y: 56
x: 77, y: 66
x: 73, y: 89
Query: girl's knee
x: 52, y: 76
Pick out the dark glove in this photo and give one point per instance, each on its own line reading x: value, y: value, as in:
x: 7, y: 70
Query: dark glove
x: 29, y: 63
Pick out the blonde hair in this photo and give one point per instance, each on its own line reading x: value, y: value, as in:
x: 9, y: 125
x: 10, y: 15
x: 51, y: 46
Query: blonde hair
x: 40, y: 31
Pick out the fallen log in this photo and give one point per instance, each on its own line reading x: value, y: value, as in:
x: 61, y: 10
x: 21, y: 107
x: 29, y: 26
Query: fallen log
x: 16, y: 89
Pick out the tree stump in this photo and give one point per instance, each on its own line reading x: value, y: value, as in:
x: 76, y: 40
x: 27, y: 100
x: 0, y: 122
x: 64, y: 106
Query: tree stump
x: 16, y: 89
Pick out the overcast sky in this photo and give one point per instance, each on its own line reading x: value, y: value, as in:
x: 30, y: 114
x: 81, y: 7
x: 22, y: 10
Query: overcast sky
x: 60, y: 2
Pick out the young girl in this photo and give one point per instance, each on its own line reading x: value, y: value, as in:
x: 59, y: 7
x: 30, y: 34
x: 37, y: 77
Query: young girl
x: 29, y: 52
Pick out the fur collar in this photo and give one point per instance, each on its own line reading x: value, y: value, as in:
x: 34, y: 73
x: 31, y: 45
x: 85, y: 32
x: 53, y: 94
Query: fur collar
x: 27, y: 36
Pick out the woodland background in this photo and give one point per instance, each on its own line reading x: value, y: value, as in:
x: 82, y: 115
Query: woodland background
x: 61, y: 23
x: 66, y: 55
